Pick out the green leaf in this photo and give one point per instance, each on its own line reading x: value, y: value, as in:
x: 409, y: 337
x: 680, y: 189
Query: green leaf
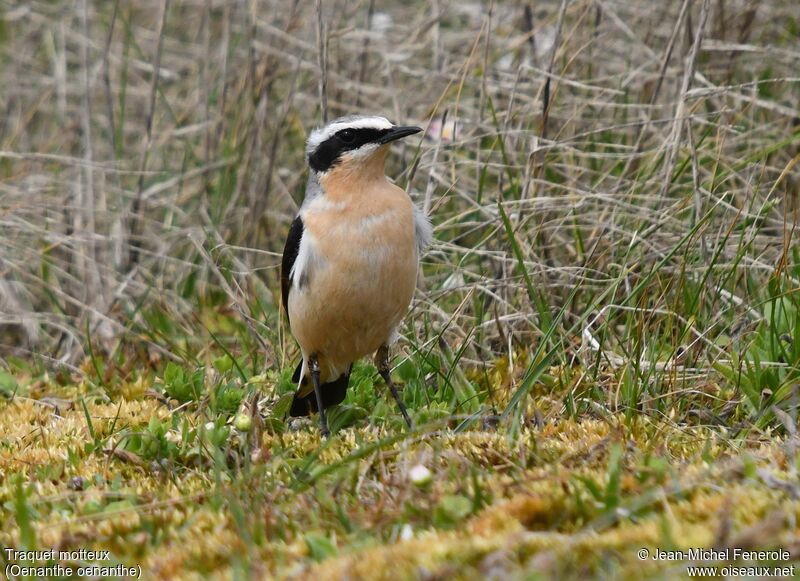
x: 282, y: 407
x: 342, y: 416
x: 8, y: 384
x: 24, y: 516
x: 227, y: 398
x: 118, y: 506
x: 223, y: 363
x: 319, y: 547
x: 451, y: 510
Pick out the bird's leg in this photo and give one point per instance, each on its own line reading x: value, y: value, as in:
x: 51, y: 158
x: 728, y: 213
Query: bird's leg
x: 382, y: 361
x: 313, y: 363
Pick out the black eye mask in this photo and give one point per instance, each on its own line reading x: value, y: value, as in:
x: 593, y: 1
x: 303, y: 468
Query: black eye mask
x: 329, y: 152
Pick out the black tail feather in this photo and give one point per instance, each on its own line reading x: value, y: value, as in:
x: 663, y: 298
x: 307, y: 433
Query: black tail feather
x: 333, y: 392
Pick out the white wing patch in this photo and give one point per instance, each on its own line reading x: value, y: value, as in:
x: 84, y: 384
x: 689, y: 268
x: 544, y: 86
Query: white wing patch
x: 307, y: 260
x: 422, y: 230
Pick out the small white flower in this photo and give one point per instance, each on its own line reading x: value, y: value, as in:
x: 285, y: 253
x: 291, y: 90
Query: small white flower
x: 209, y: 426
x: 420, y: 475
x: 173, y: 437
x: 407, y: 533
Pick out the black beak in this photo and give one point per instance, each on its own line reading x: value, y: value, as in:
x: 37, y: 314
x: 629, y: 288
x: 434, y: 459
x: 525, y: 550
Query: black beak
x: 398, y: 133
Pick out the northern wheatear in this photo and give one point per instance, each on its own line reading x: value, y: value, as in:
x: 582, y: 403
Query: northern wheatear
x: 350, y: 262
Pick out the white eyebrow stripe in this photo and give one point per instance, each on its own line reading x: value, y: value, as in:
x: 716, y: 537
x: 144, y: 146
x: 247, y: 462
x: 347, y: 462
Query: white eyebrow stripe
x: 363, y: 123
x: 320, y: 135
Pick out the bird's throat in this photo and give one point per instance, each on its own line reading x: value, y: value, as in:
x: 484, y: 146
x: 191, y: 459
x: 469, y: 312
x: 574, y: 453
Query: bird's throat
x: 352, y: 178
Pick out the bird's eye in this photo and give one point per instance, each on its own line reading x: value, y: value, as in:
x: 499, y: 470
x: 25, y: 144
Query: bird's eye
x: 346, y: 136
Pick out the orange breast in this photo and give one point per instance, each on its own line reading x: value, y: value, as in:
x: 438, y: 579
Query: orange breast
x: 363, y: 277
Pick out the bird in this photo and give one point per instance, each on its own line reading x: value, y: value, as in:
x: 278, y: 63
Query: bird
x: 350, y: 263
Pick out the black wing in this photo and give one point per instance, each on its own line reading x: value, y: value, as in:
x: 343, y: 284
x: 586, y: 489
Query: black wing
x: 290, y: 251
x: 333, y: 393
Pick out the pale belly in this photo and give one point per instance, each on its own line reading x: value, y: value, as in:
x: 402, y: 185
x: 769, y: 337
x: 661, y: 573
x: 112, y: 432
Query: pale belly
x: 354, y: 300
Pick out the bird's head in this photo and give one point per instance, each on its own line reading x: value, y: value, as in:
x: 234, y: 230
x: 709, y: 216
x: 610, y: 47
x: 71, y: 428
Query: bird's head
x: 353, y: 144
